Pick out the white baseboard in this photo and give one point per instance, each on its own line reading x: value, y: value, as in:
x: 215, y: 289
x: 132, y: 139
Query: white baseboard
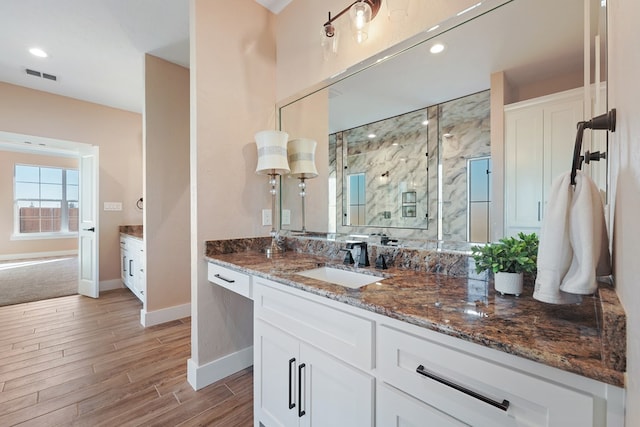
x: 109, y: 285
x: 202, y: 376
x: 156, y: 317
x: 9, y: 257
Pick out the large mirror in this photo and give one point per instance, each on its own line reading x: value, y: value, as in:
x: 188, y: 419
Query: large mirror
x: 418, y: 146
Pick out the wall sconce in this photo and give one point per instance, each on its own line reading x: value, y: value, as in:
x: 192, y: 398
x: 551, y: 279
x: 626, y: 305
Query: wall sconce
x: 302, y: 154
x: 361, y: 12
x: 272, y: 161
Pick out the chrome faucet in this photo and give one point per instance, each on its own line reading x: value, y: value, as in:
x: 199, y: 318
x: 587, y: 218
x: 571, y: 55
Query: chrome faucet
x: 362, y: 259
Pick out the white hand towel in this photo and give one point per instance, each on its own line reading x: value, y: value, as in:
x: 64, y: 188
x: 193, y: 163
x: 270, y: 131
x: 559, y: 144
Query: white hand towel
x: 574, y: 247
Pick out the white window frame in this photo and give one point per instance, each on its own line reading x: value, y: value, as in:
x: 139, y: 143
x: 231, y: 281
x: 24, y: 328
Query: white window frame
x: 64, y: 206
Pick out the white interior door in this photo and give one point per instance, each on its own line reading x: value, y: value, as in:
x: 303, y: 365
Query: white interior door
x: 88, y: 283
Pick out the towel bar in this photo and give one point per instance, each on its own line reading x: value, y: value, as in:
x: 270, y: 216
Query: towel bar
x: 606, y: 121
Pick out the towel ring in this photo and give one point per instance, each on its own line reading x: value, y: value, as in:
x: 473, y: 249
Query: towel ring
x: 606, y: 121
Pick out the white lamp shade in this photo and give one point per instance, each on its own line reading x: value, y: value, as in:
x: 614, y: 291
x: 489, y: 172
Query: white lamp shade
x: 302, y: 157
x: 272, y: 152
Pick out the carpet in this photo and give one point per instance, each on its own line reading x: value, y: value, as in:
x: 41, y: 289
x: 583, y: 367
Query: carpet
x: 37, y: 279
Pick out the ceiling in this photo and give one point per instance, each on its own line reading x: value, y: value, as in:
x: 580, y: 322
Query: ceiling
x: 96, y: 47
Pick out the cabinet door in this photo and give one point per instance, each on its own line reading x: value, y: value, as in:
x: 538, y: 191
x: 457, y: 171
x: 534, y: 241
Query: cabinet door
x: 275, y: 370
x: 124, y: 262
x: 140, y: 275
x: 334, y: 393
x: 395, y: 408
x: 523, y: 170
x: 560, y: 119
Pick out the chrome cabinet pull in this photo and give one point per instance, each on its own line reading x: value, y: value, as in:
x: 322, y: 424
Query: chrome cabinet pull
x: 217, y: 276
x: 504, y: 405
x: 301, y: 411
x: 292, y: 364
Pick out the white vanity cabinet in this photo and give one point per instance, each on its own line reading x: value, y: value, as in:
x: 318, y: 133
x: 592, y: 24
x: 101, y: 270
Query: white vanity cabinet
x: 235, y: 281
x: 132, y: 263
x: 310, y: 362
x: 539, y: 138
x: 468, y: 389
x: 322, y: 362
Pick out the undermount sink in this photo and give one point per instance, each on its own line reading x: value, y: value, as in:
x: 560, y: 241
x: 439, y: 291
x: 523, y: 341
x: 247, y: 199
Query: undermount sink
x: 346, y: 278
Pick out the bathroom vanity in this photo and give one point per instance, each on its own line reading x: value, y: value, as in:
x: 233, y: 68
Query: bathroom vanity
x: 133, y: 260
x: 418, y: 348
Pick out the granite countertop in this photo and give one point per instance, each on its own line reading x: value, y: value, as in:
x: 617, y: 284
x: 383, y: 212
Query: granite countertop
x: 132, y: 230
x: 565, y: 337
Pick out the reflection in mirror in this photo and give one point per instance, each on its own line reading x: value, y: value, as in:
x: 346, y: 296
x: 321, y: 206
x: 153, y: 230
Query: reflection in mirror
x: 412, y: 158
x: 445, y: 181
x: 356, y: 199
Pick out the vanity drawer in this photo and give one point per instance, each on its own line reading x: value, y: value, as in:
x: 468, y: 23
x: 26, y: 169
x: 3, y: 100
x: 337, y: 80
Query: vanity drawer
x: 235, y: 281
x: 475, y: 390
x: 344, y: 335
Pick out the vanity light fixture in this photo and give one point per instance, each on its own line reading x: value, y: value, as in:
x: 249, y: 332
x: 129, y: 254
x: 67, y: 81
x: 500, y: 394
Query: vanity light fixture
x: 272, y: 161
x: 302, y: 155
x: 361, y: 12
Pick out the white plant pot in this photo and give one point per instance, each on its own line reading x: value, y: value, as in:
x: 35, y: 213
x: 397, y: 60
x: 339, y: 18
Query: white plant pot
x: 508, y: 283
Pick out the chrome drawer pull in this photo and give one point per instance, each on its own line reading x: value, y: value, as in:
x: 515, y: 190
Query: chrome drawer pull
x: 217, y: 276
x: 504, y: 405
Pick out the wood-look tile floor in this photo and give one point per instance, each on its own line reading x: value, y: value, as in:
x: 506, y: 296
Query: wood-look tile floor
x: 77, y: 361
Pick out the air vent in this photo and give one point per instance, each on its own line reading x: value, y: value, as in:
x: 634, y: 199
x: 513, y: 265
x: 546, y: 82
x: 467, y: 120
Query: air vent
x: 40, y: 74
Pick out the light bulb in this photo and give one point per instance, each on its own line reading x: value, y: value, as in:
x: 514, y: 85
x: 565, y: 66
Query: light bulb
x: 360, y: 14
x: 359, y: 22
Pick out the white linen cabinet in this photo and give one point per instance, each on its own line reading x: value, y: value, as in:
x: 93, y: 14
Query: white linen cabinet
x: 539, y: 138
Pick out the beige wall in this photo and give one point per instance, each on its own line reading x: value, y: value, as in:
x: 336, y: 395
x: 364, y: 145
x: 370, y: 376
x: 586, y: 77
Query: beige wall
x: 308, y: 118
x: 232, y: 97
x: 118, y: 133
x: 166, y: 184
x: 19, y: 248
x: 624, y: 158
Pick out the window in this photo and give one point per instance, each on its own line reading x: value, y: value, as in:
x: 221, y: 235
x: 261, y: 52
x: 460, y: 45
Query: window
x: 46, y: 199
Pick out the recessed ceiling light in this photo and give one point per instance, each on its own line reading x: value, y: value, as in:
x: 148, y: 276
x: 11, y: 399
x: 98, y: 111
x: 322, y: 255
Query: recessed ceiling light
x: 372, y: 135
x: 35, y: 51
x: 436, y: 48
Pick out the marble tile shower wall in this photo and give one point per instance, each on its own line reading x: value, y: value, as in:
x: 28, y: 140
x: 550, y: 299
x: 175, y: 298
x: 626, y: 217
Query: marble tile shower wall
x: 465, y: 122
x: 403, y: 158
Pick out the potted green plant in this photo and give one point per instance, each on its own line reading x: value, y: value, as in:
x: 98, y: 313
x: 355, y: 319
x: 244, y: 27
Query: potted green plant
x: 508, y: 259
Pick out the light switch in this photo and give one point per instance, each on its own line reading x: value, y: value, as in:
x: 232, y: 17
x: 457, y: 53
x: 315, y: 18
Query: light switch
x: 112, y: 206
x: 286, y: 217
x: 266, y: 217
